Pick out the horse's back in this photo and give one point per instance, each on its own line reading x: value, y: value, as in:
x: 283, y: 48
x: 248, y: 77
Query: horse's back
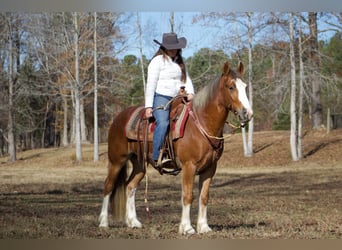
x: 120, y: 121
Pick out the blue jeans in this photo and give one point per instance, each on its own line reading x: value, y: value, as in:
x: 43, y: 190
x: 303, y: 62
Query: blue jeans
x: 162, y: 122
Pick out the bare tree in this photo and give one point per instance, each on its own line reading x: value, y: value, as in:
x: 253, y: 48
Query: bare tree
x: 11, y: 76
x: 247, y: 140
x: 50, y: 44
x: 141, y: 51
x: 249, y: 144
x: 317, y: 110
x: 96, y: 125
x: 172, y: 21
x: 301, y: 92
x: 76, y: 89
x: 293, y: 135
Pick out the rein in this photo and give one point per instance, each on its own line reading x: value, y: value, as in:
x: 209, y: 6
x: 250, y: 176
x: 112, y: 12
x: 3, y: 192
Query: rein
x: 165, y: 107
x: 204, y: 132
x: 236, y: 127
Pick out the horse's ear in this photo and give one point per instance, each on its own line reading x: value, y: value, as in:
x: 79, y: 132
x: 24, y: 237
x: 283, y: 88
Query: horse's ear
x: 225, y: 69
x: 240, y: 68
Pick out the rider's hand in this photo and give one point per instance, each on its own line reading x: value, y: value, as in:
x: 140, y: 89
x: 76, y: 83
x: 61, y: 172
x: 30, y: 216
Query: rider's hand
x: 190, y: 96
x: 148, y: 112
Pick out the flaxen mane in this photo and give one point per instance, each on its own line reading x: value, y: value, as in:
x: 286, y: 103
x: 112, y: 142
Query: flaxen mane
x: 208, y: 92
x: 205, y: 94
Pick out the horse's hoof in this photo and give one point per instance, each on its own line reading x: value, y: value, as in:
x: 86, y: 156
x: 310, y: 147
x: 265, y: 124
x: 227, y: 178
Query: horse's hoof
x: 133, y: 223
x: 201, y: 229
x: 103, y: 225
x: 186, y: 230
x: 103, y: 222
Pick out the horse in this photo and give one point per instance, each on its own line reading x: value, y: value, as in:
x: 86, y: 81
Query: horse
x: 197, y: 152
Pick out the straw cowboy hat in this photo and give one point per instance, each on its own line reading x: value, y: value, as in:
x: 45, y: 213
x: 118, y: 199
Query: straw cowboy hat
x: 170, y: 41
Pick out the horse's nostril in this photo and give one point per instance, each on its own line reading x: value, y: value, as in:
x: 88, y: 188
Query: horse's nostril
x: 243, y: 114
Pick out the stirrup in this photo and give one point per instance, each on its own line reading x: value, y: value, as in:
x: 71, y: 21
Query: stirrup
x: 165, y: 161
x: 167, y: 164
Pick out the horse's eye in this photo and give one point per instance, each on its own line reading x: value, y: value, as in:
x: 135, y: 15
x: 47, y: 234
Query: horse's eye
x: 231, y: 88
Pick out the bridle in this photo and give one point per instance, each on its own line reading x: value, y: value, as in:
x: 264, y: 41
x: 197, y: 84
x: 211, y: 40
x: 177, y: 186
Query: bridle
x: 216, y: 142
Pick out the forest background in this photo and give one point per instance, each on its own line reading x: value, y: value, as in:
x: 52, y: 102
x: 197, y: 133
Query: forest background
x: 64, y: 76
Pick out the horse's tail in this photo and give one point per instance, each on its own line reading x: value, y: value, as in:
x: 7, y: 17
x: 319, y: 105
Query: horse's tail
x: 118, y: 196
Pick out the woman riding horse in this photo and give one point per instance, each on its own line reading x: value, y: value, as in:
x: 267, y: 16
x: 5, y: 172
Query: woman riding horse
x: 197, y: 152
x: 166, y: 77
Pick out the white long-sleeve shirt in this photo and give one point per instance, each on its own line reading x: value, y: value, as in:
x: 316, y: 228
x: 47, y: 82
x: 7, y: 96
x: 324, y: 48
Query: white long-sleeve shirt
x: 164, y: 77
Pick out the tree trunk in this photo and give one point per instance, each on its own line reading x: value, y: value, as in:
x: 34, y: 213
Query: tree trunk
x: 172, y: 21
x: 301, y: 93
x: 77, y: 95
x: 317, y: 110
x: 293, y: 139
x: 244, y: 142
x: 42, y: 142
x: 65, y: 122
x: 73, y: 123
x: 141, y: 52
x: 73, y: 127
x: 83, y: 123
x: 250, y: 86
x: 96, y: 126
x: 11, y: 134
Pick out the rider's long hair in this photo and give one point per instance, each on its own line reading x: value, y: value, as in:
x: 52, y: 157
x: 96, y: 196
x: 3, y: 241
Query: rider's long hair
x: 178, y: 59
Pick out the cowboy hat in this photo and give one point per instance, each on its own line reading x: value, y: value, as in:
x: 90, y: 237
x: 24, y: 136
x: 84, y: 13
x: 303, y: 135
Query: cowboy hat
x: 170, y: 41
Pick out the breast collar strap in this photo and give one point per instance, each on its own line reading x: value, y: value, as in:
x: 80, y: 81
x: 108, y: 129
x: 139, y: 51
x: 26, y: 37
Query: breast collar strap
x: 215, y: 142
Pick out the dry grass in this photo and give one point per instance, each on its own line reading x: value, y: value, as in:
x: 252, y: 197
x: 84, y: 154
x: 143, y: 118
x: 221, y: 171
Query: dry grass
x: 47, y: 195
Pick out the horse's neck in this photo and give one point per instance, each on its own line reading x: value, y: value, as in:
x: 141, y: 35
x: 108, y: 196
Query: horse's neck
x: 212, y: 117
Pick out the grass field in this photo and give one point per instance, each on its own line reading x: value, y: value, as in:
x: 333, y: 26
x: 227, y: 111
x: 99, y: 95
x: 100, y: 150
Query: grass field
x: 46, y: 195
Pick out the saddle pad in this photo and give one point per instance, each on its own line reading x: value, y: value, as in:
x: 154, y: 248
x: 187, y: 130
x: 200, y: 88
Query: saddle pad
x: 134, y: 122
x: 178, y: 121
x: 135, y: 126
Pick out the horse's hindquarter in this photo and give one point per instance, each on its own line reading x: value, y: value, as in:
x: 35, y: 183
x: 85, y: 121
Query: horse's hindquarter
x: 117, y: 139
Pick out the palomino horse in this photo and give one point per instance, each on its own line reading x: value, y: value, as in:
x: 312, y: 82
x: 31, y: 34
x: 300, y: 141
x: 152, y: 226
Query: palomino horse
x: 197, y: 152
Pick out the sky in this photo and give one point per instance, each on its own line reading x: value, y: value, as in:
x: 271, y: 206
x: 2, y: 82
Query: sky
x: 154, y: 24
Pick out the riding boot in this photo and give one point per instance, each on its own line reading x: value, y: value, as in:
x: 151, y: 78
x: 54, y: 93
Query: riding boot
x: 161, y: 159
x: 162, y: 164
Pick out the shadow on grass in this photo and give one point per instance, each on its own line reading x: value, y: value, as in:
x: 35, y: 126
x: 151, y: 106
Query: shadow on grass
x: 219, y: 228
x: 238, y: 180
x: 262, y: 147
x: 320, y: 146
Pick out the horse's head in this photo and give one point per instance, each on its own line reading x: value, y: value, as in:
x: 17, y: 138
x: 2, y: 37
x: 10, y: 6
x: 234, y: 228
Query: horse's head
x: 235, y: 93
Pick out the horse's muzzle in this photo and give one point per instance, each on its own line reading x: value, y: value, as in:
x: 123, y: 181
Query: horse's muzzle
x: 245, y: 116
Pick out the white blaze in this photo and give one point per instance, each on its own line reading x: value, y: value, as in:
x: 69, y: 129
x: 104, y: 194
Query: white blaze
x: 241, y: 86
